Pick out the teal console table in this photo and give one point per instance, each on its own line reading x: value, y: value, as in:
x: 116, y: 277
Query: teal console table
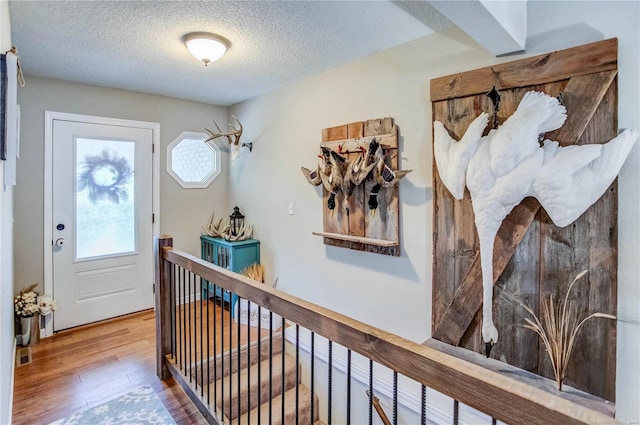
x: 234, y: 256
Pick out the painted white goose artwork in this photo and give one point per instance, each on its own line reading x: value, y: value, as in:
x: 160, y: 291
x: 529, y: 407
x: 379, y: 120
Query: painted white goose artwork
x: 508, y: 164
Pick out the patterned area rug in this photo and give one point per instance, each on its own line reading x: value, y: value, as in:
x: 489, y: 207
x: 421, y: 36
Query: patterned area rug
x: 140, y: 407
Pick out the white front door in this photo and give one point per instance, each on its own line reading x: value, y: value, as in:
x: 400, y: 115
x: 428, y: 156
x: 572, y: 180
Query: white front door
x: 102, y: 233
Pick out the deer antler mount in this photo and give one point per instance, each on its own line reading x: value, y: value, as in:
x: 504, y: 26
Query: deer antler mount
x: 233, y: 137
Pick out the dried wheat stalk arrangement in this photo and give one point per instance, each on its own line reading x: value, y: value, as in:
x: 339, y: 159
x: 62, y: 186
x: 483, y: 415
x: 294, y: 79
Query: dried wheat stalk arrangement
x: 254, y: 271
x: 558, y: 329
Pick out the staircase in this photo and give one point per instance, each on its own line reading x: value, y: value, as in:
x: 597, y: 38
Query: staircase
x: 260, y: 386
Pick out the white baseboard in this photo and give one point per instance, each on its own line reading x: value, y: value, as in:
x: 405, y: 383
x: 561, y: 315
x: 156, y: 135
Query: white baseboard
x: 439, y: 407
x: 13, y: 375
x: 189, y: 298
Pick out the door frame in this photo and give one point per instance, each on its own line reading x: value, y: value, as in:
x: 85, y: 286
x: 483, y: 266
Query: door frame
x: 49, y: 117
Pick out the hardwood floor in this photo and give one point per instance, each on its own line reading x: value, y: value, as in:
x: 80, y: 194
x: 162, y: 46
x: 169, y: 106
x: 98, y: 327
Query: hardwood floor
x: 86, y: 366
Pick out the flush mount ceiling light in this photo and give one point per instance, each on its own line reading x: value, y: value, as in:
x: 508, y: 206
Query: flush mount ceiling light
x: 206, y: 46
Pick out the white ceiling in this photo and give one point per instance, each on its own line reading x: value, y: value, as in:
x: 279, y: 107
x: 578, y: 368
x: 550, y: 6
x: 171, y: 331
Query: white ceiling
x: 136, y: 45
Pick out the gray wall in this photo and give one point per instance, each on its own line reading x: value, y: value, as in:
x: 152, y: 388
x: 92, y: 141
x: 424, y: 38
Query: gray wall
x: 182, y: 211
x: 395, y: 293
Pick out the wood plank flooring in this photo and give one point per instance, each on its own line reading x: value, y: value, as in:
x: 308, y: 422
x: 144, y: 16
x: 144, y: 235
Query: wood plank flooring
x: 86, y: 366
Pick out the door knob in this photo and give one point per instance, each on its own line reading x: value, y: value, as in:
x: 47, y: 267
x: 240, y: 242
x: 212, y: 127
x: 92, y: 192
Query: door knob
x: 59, y: 241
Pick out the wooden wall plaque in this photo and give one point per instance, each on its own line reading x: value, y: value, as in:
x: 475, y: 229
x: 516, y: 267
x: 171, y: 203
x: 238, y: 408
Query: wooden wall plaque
x: 351, y: 224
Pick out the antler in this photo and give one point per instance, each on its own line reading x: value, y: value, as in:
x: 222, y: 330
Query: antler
x: 233, y: 136
x: 222, y: 229
x: 245, y: 232
x: 217, y: 229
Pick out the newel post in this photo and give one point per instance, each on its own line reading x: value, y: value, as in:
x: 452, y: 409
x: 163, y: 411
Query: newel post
x: 162, y: 304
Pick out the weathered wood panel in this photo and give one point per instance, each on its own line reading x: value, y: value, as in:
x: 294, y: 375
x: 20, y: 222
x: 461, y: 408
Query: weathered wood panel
x: 357, y: 199
x: 532, y: 257
x: 335, y: 133
x: 560, y: 65
x: 468, y: 298
x: 589, y: 243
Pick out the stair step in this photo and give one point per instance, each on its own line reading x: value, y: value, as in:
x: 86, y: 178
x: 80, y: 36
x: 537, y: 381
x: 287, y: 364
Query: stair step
x: 304, y: 409
x: 227, y: 400
x: 248, y: 357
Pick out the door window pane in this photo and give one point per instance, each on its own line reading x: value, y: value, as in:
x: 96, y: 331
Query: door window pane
x: 105, y: 212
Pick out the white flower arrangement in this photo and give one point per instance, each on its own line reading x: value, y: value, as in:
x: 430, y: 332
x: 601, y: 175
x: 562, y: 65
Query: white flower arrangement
x: 47, y: 304
x: 28, y: 303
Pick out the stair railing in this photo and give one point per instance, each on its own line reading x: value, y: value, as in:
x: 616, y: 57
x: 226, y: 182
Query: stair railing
x: 207, y: 357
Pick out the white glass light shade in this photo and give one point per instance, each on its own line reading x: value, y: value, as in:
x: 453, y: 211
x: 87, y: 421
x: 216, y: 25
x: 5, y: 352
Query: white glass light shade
x: 205, y: 46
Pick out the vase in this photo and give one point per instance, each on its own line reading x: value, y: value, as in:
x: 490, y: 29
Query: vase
x: 30, y: 330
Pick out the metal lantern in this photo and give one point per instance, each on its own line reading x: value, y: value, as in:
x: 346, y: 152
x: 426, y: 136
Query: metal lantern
x: 236, y: 219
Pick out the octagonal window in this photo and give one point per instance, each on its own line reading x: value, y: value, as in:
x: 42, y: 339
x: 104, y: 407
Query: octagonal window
x: 191, y: 161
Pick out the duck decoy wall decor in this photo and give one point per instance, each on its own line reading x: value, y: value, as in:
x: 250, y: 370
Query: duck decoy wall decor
x: 358, y: 171
x: 536, y: 230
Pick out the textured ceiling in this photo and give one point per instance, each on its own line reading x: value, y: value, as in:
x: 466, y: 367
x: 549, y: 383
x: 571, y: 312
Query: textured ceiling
x: 136, y: 45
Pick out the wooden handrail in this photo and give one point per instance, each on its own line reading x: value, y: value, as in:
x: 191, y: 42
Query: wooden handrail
x: 502, y: 397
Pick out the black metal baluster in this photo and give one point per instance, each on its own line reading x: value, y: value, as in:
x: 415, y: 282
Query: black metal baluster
x: 181, y: 315
x: 221, y: 348
x: 194, y: 331
x: 172, y: 312
x: 208, y: 343
x: 201, y: 340
x: 270, y: 366
x: 174, y: 303
x: 184, y: 314
x: 423, y: 406
x: 248, y: 359
x: 395, y: 398
x: 230, y: 349
x: 171, y: 324
x: 194, y: 349
x: 282, y: 383
x: 237, y: 346
x: 348, y: 387
x: 188, y: 301
x: 370, y: 392
x: 313, y: 357
x: 494, y: 421
x: 456, y: 408
x: 215, y: 349
x: 297, y: 401
x: 187, y: 322
x: 259, y: 366
x: 178, y: 318
x: 329, y: 380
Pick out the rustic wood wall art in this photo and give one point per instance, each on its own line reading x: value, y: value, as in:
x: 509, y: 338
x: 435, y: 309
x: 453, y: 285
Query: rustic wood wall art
x: 363, y: 216
x: 532, y: 258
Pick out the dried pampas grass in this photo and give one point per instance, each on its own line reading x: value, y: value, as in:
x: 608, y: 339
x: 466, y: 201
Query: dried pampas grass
x: 558, y: 330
